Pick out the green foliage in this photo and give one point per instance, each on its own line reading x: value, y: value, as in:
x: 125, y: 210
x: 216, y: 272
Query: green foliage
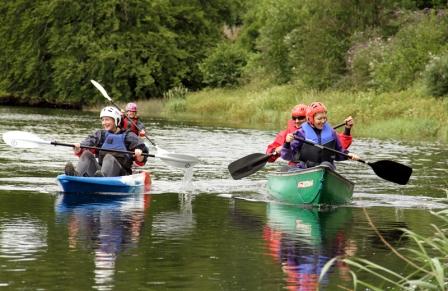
x: 141, y: 48
x: 396, y: 63
x: 436, y: 76
x: 178, y: 92
x: 136, y: 48
x: 224, y: 65
x: 176, y: 105
x: 407, y: 115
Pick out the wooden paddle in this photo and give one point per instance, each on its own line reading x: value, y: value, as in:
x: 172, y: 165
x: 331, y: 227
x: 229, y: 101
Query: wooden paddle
x: 22, y: 139
x: 386, y: 169
x: 184, y: 161
x: 250, y: 164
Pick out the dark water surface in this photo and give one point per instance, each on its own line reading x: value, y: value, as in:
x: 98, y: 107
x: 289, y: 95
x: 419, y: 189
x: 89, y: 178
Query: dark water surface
x: 199, y: 230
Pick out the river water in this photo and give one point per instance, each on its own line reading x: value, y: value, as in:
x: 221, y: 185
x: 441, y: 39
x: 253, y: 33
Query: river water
x: 198, y: 230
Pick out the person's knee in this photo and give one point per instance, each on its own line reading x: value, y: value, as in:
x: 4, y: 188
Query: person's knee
x: 86, y: 155
x: 110, y: 166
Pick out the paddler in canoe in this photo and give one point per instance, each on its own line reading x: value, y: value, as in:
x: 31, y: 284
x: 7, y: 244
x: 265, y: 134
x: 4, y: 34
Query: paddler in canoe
x: 298, y: 117
x: 319, y: 131
x: 113, y: 138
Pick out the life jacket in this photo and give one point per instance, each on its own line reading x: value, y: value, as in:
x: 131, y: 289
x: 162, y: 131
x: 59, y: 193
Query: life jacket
x: 132, y: 126
x: 115, y: 141
x: 313, y: 155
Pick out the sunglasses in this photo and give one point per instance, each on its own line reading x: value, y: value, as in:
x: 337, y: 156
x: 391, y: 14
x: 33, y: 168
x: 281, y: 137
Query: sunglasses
x: 298, y: 117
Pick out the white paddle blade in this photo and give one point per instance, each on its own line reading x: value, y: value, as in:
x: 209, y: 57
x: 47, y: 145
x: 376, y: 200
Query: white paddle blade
x: 23, y: 139
x: 101, y: 89
x: 178, y: 160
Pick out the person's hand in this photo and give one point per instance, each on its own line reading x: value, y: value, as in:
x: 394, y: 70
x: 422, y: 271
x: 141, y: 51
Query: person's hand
x: 142, y: 133
x: 76, y: 148
x: 353, y: 156
x: 138, y: 155
x: 289, y: 137
x: 277, y: 150
x: 349, y: 122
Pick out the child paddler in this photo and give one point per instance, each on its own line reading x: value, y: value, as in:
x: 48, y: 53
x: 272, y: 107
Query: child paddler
x: 318, y: 130
x: 298, y: 117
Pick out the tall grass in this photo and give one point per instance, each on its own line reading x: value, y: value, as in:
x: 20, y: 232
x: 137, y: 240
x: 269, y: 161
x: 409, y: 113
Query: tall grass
x: 408, y: 114
x: 425, y: 266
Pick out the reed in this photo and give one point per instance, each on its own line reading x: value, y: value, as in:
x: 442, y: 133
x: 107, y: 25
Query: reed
x: 425, y: 264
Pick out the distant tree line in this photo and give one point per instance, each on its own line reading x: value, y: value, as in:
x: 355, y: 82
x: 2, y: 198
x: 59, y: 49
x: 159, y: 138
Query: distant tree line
x: 50, y: 49
x: 140, y: 49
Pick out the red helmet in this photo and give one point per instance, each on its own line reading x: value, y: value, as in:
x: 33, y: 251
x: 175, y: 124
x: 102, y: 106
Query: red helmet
x: 315, y: 107
x: 299, y: 110
x: 131, y: 107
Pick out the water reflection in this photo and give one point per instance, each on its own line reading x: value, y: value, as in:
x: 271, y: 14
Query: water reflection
x: 109, y: 224
x: 303, y: 240
x: 22, y: 238
x: 175, y: 224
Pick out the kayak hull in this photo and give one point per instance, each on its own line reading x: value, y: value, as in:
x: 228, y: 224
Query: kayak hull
x: 316, y: 186
x: 132, y: 184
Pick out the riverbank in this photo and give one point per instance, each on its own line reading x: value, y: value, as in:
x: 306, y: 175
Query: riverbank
x: 407, y: 115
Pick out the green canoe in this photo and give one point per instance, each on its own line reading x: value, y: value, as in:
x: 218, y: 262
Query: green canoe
x: 315, y: 186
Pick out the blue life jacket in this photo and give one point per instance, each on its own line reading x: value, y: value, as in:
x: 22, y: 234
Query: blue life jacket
x: 313, y: 155
x: 114, y: 141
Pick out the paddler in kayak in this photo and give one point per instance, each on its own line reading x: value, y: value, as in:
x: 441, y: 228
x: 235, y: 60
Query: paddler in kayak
x: 318, y: 130
x: 298, y: 117
x: 131, y: 120
x: 111, y: 137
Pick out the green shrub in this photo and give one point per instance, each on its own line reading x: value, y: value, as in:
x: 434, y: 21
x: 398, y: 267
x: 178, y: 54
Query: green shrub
x: 224, y: 65
x: 406, y: 54
x: 361, y: 59
x: 176, y: 105
x: 436, y: 76
x: 178, y: 92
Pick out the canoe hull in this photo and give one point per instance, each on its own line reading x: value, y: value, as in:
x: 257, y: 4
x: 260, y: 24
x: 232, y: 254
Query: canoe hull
x: 315, y: 186
x: 132, y: 184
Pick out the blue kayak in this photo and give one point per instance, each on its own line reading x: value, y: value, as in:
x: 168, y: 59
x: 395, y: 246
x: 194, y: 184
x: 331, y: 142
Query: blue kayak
x: 136, y: 183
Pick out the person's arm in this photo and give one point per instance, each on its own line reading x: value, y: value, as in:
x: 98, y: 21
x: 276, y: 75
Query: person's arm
x: 141, y: 128
x: 346, y: 140
x: 292, y: 145
x: 345, y: 137
x: 92, y: 140
x: 275, y: 147
x: 135, y: 145
x: 339, y: 148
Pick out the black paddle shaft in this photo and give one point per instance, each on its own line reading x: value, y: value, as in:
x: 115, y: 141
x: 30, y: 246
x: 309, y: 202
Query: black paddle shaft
x: 250, y: 164
x: 55, y: 143
x: 386, y: 169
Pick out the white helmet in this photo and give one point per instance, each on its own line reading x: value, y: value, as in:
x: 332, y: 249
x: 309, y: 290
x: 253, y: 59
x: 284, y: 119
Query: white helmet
x: 113, y: 112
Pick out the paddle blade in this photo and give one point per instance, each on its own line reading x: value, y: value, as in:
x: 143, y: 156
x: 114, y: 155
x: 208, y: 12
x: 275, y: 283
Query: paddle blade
x: 247, y: 165
x: 22, y: 139
x: 101, y: 89
x: 177, y: 160
x: 392, y: 171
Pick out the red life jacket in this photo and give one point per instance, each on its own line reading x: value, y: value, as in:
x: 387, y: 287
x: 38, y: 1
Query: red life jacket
x: 130, y: 125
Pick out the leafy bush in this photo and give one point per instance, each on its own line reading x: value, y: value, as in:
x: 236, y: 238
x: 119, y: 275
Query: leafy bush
x: 436, y: 76
x: 360, y: 61
x: 403, y: 57
x: 224, y: 65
